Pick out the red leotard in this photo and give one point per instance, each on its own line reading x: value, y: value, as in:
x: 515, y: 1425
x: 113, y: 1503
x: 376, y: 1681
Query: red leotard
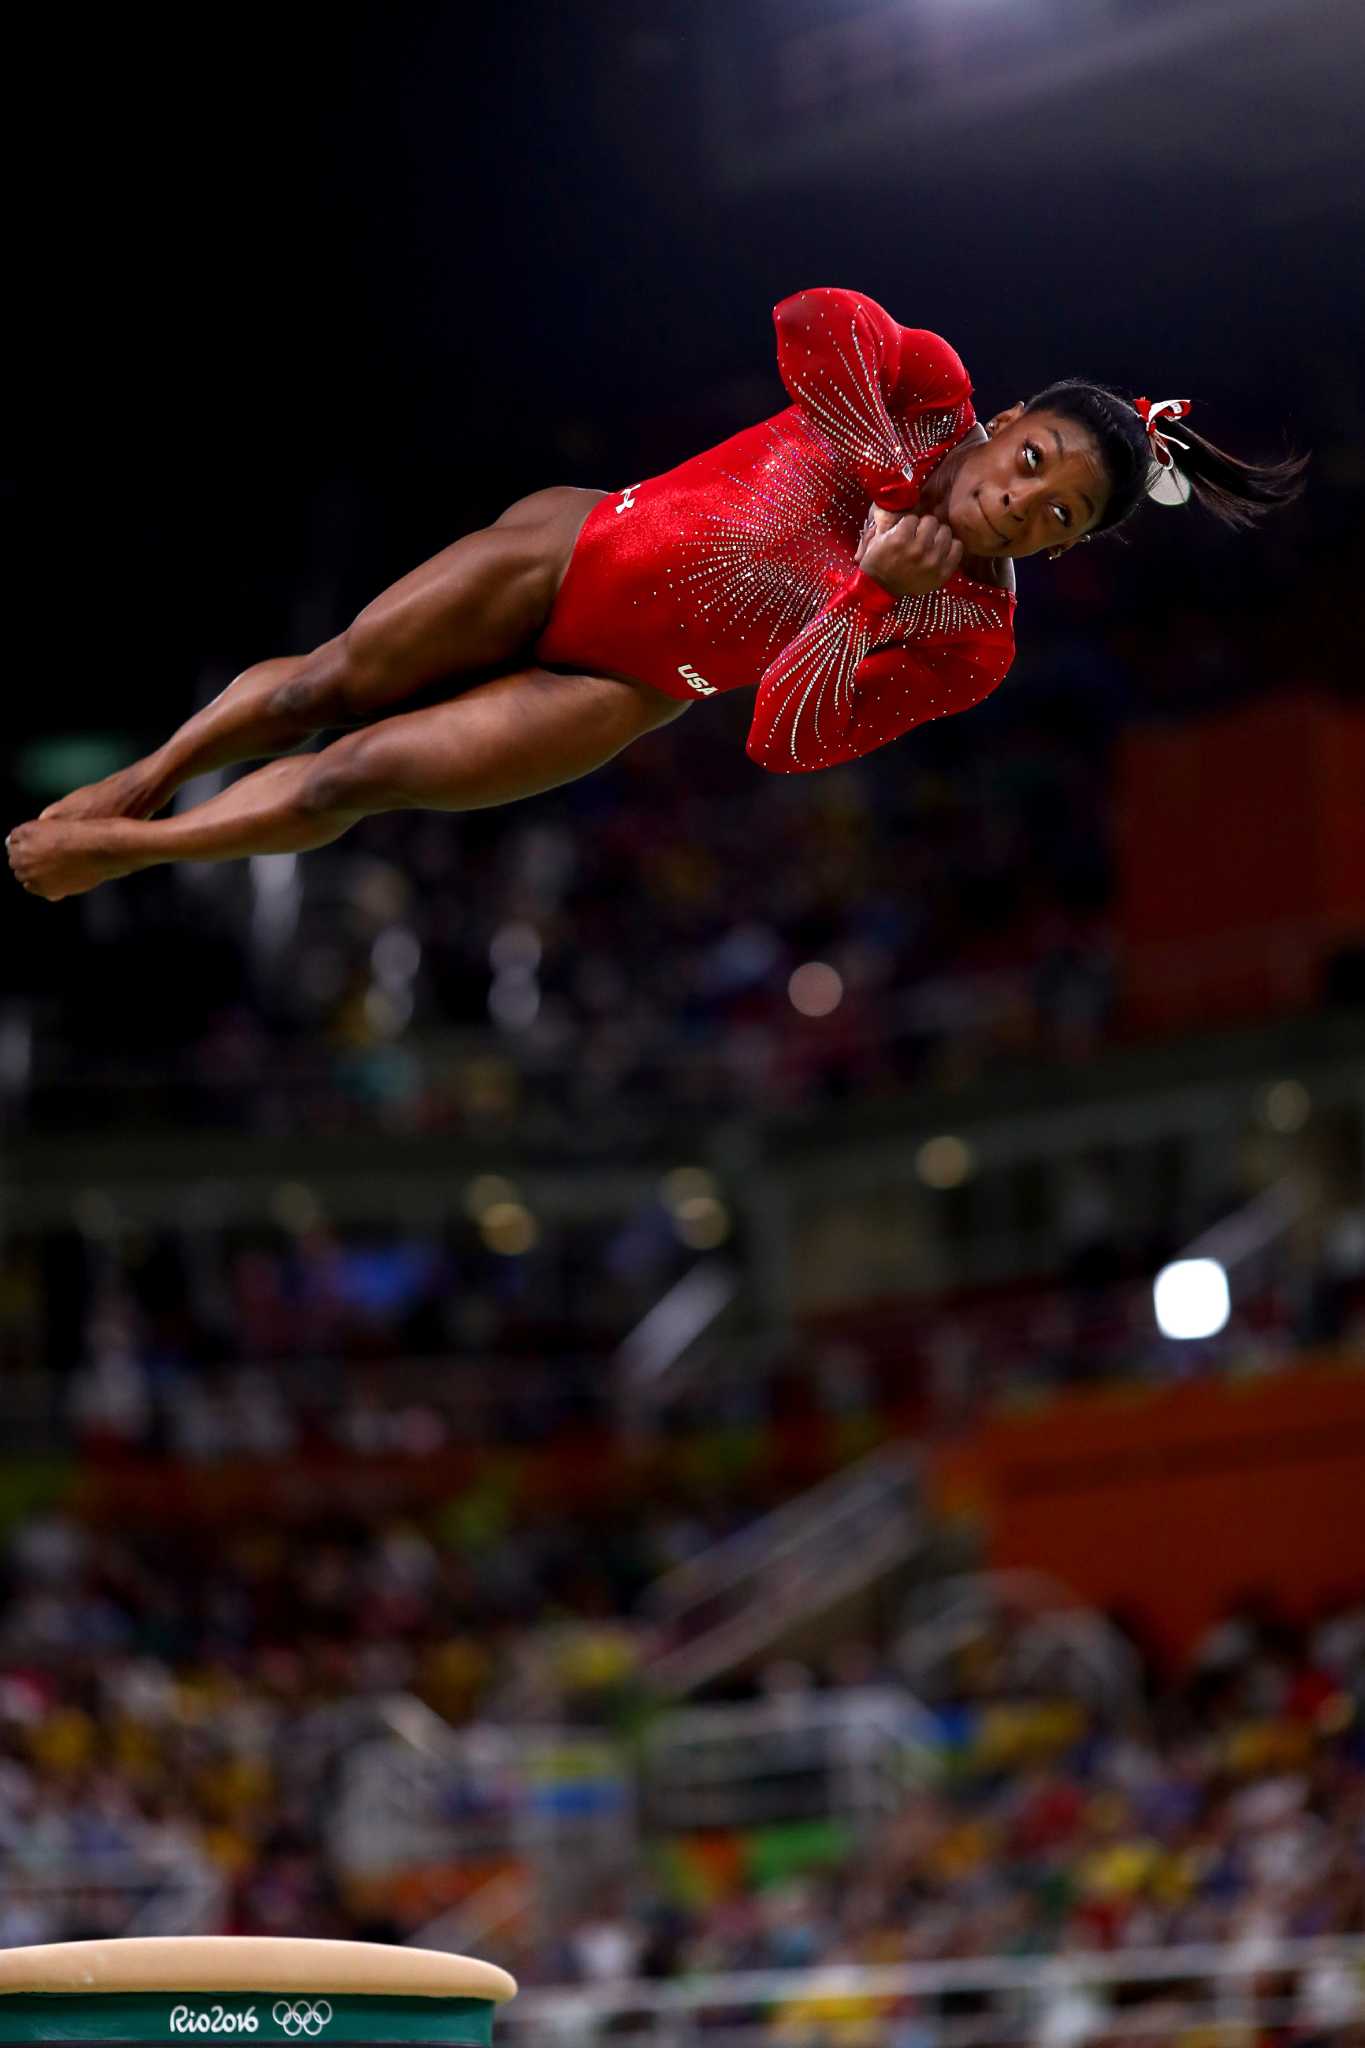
x: 738, y: 566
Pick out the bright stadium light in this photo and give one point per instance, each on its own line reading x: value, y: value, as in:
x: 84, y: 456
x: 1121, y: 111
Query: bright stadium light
x: 816, y: 989
x: 1191, y: 1298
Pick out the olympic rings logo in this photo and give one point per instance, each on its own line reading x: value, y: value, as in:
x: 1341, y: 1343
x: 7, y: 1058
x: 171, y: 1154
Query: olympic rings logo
x: 301, y: 2015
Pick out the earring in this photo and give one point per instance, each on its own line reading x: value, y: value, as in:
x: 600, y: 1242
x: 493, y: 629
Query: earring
x: 1055, y: 554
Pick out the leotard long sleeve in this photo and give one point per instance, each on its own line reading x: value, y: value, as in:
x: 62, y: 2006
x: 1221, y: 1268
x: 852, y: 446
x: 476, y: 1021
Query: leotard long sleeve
x: 738, y: 567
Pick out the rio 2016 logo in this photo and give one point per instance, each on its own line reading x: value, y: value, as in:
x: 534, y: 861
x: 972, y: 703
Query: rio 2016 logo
x: 293, y: 2016
x: 301, y: 2015
x: 216, y: 2020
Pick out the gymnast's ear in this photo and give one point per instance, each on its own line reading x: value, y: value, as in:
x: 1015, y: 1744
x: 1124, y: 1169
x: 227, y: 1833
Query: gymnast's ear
x: 1006, y: 418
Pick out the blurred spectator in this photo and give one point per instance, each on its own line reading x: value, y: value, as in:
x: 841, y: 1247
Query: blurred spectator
x: 166, y: 1720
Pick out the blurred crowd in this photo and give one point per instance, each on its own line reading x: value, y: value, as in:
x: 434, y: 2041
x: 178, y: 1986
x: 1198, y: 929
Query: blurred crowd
x: 175, y: 1719
x: 267, y: 1342
x: 1227, y: 1802
x: 172, y: 1717
x: 322, y: 1339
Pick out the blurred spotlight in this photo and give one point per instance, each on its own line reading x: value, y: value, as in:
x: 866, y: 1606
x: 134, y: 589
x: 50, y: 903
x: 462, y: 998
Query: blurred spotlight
x: 702, y: 1222
x: 815, y: 989
x: 684, y: 1182
x: 944, y: 1162
x: 396, y: 956
x: 514, y: 999
x: 485, y: 1191
x: 676, y: 1320
x: 273, y: 874
x: 277, y: 896
x: 1191, y: 1298
x: 295, y: 1207
x: 1286, y: 1106
x: 515, y: 946
x: 509, y: 1228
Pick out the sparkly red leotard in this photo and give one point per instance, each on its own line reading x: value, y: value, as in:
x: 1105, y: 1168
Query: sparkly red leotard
x: 738, y: 566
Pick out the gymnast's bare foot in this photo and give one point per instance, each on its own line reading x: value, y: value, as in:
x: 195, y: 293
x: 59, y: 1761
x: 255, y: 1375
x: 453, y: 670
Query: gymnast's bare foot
x: 129, y: 793
x: 56, y: 857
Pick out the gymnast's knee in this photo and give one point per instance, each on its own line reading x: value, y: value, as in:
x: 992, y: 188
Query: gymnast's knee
x: 319, y: 692
x: 352, y: 777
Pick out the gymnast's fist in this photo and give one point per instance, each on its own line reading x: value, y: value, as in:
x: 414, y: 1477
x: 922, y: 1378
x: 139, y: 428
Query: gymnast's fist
x: 909, y: 553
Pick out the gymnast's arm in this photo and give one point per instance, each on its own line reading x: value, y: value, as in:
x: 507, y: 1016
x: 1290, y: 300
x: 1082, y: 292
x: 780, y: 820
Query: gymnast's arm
x: 840, y: 353
x: 803, y: 721
x: 843, y: 686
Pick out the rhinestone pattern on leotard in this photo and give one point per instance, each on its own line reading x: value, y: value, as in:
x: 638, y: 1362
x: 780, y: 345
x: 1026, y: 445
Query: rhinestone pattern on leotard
x: 767, y: 554
x: 739, y: 565
x: 819, y: 670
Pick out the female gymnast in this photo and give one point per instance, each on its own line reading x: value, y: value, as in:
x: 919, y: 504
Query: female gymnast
x: 851, y: 556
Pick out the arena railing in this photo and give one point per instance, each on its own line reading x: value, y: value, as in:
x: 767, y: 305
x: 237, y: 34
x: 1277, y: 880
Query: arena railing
x: 406, y: 1789
x: 1064, y: 2001
x: 846, y: 1755
x: 1046, y: 1636
x: 743, y: 1593
x: 410, y: 1789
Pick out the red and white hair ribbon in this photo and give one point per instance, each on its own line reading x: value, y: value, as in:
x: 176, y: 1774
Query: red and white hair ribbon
x: 1169, y: 485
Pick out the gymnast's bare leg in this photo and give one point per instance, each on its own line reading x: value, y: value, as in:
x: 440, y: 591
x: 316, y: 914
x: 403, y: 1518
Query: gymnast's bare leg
x: 506, y: 738
x: 476, y: 606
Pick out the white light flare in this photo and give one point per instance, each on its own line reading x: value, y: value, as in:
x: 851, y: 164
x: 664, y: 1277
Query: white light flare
x: 1192, y: 1299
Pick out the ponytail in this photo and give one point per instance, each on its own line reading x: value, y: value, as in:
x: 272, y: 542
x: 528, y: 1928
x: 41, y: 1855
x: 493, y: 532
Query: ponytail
x: 1238, y: 493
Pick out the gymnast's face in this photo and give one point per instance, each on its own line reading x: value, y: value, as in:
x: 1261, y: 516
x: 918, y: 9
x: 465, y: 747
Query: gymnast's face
x: 1036, y: 483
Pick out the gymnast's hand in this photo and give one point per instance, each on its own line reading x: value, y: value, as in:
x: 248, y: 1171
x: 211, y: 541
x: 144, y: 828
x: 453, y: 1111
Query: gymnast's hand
x: 908, y: 553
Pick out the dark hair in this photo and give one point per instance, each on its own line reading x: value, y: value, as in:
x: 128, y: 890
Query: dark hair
x: 1238, y: 493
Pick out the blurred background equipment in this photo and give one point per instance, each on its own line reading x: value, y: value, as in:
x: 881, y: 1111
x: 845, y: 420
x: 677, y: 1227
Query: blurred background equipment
x: 744, y: 1393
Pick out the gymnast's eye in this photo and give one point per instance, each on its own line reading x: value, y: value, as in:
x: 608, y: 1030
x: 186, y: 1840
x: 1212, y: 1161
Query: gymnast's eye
x: 1033, y: 456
